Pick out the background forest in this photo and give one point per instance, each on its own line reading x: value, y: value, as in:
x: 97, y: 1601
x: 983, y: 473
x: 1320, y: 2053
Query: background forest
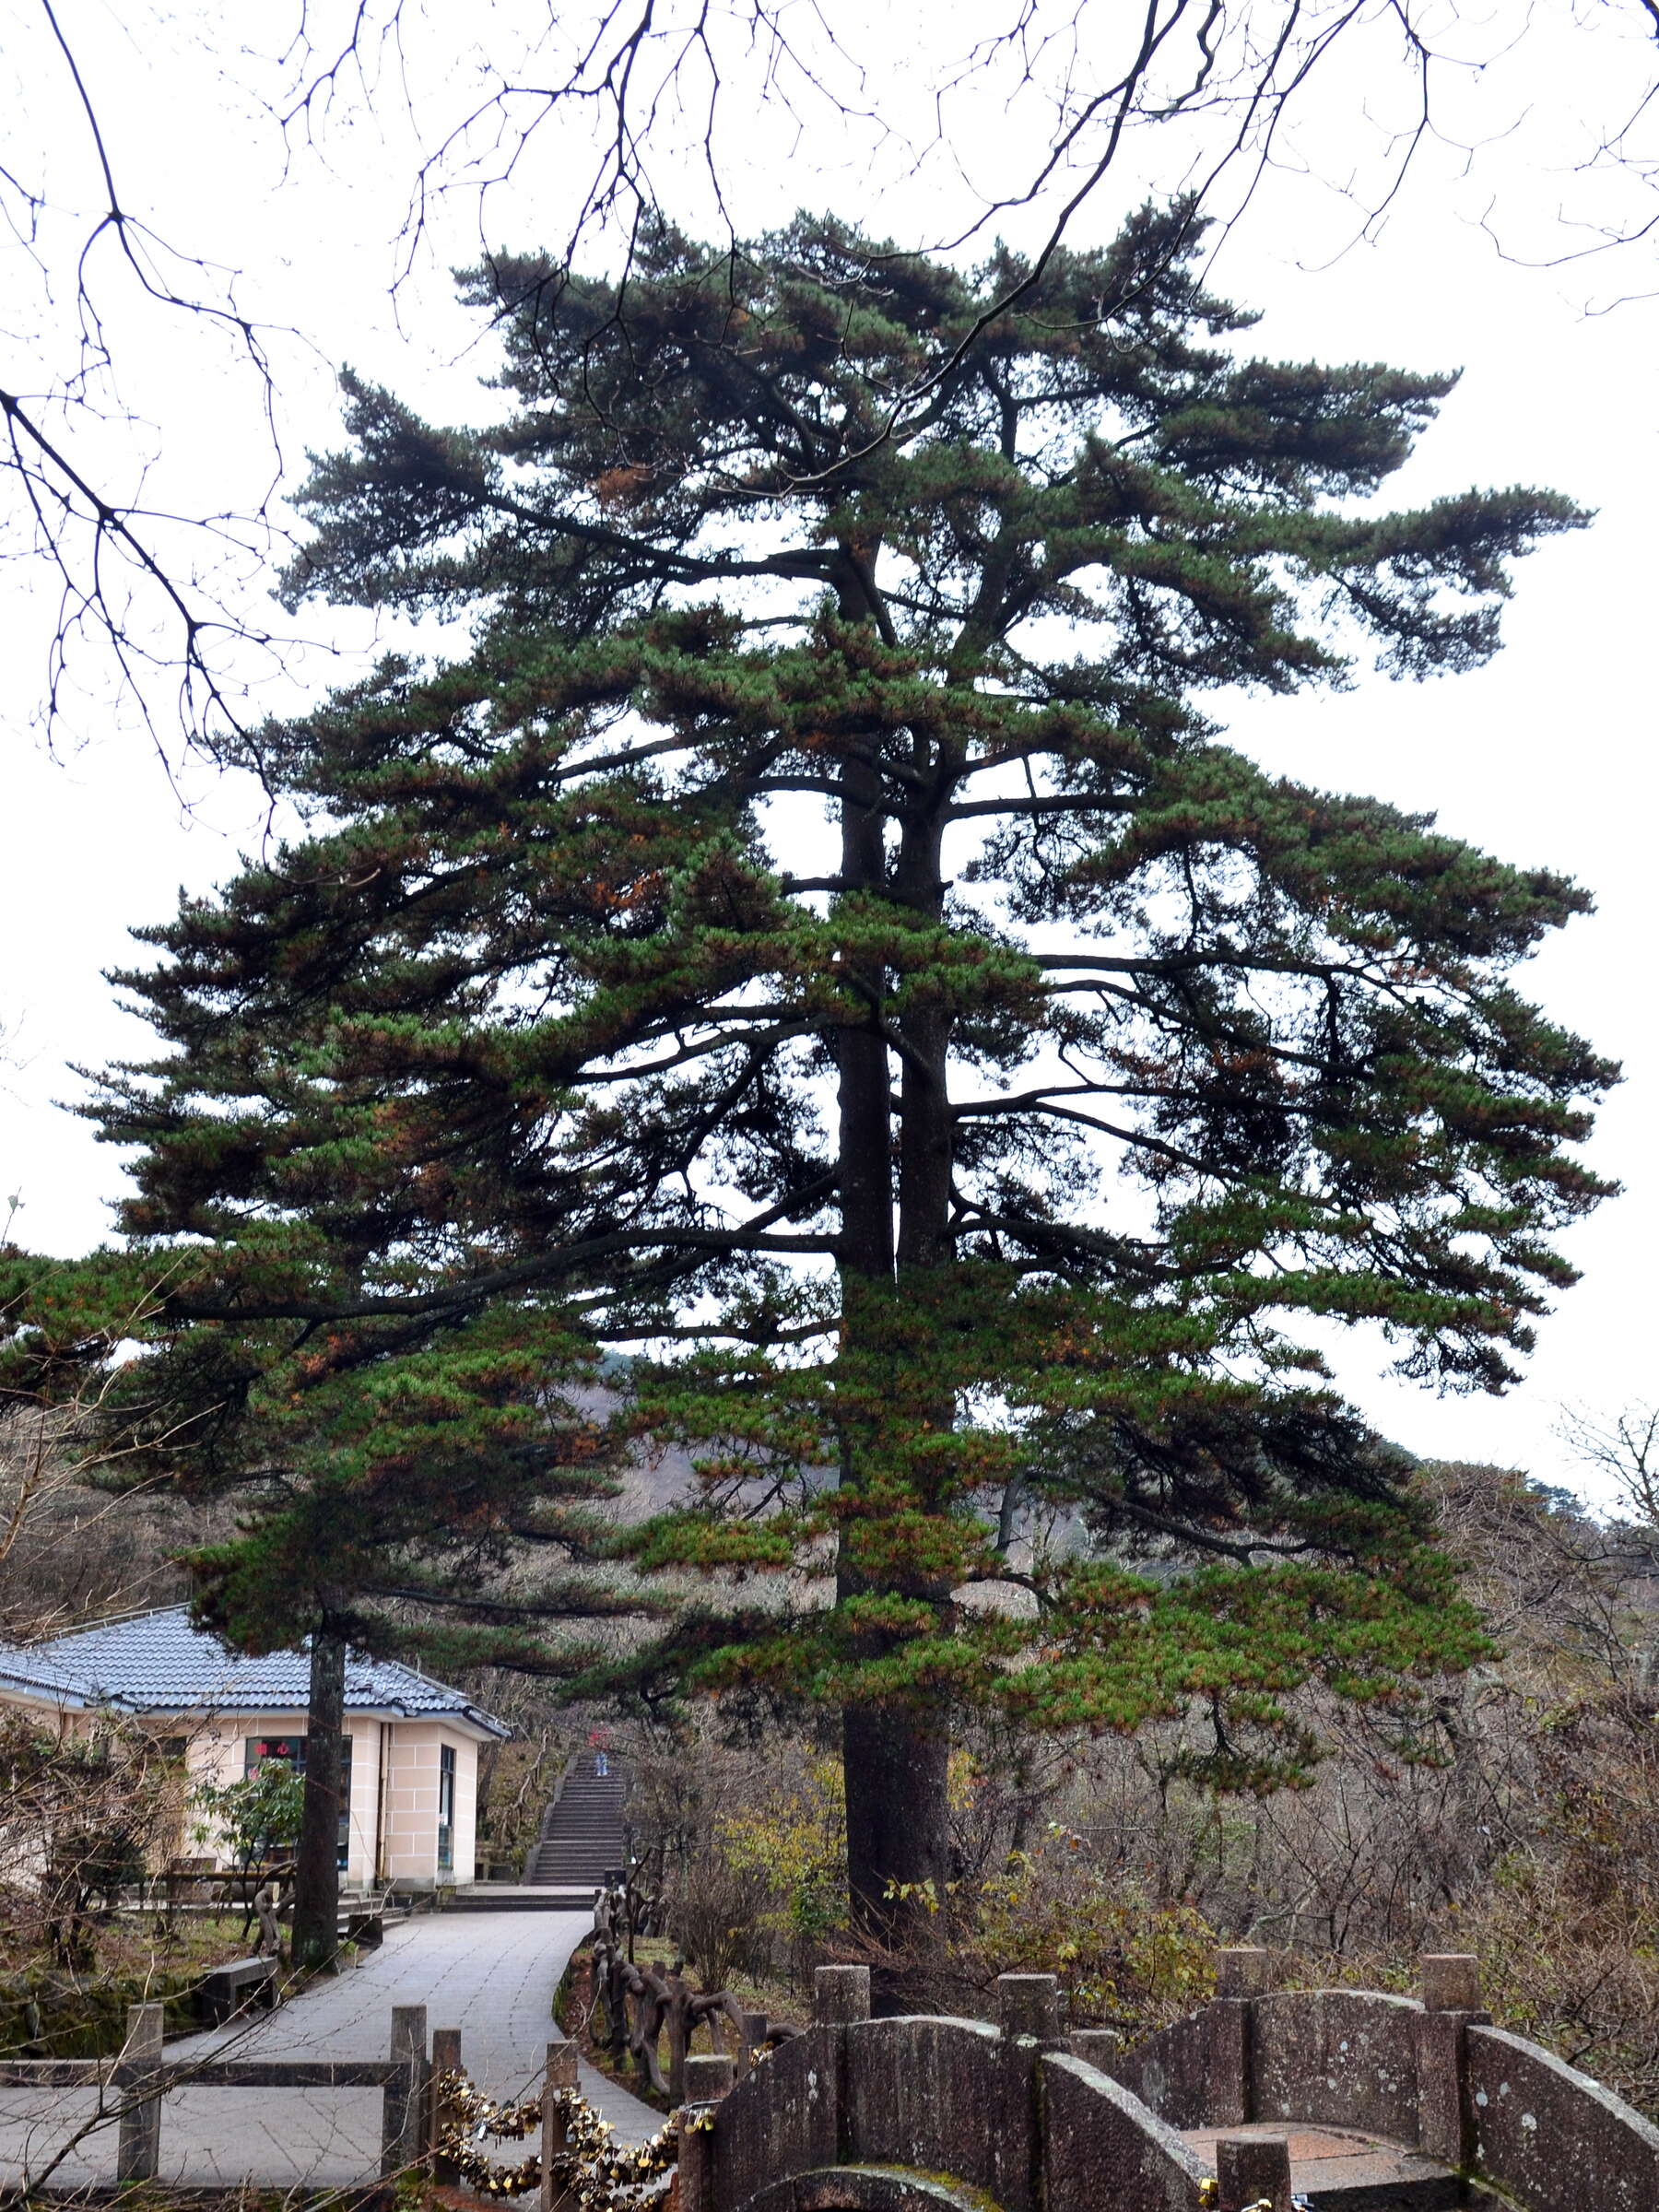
x: 1530, y: 1837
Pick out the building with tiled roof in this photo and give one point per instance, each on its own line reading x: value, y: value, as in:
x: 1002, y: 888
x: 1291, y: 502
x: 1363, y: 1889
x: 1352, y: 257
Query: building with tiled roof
x: 412, y: 1744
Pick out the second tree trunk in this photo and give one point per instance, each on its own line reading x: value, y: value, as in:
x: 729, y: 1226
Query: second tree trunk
x: 317, y: 1861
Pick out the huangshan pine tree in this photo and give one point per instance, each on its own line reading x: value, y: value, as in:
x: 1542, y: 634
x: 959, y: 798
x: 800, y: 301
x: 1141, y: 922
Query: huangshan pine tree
x: 817, y: 942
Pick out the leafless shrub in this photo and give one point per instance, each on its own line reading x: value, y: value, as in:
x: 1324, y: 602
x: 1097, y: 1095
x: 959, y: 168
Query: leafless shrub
x: 86, y: 1807
x: 714, y: 1916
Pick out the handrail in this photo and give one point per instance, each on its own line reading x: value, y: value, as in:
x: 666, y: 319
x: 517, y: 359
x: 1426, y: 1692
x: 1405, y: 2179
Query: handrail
x: 145, y: 2077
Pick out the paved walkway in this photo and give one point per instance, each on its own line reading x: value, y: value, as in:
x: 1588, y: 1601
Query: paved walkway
x: 491, y: 1974
x: 1328, y: 2162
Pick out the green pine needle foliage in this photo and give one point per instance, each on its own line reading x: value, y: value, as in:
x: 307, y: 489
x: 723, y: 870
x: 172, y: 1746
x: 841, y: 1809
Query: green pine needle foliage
x: 817, y: 943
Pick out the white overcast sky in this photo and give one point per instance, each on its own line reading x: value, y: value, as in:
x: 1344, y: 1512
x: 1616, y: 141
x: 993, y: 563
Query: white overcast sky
x: 1547, y: 756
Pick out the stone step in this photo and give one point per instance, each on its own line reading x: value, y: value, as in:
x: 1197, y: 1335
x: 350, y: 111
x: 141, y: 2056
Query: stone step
x: 521, y: 1897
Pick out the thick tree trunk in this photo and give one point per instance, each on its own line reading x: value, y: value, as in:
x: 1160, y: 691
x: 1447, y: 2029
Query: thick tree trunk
x: 317, y: 1862
x: 897, y: 1763
x: 894, y: 1760
x: 895, y: 1767
x: 864, y: 1150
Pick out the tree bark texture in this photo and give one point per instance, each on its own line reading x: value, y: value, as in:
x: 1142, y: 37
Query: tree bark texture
x: 895, y: 1765
x: 317, y: 1862
x: 894, y: 1759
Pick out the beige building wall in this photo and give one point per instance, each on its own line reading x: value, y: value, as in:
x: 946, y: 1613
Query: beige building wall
x: 409, y: 1753
x: 218, y: 1754
x: 414, y: 1765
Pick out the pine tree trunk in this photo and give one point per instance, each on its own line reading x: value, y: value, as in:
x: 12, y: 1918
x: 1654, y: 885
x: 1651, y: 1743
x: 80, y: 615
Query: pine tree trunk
x: 901, y: 1761
x: 317, y: 1862
x: 894, y: 1766
x: 894, y: 1761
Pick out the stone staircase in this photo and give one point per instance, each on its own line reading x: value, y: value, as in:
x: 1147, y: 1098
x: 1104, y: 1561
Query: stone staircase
x: 582, y: 1837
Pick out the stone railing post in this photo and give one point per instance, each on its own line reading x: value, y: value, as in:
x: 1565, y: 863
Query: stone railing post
x: 560, y: 2073
x: 1100, y: 2047
x: 1253, y: 2170
x: 446, y: 2059
x: 840, y: 1999
x: 694, y: 2185
x: 841, y: 1994
x: 710, y: 2077
x: 403, y: 2112
x: 755, y: 2025
x: 1029, y: 2005
x: 1027, y: 2013
x: 1450, y: 1982
x: 139, y: 2143
x: 1241, y: 1978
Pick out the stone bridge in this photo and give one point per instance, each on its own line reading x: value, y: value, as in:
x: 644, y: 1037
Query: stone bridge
x: 1360, y: 2102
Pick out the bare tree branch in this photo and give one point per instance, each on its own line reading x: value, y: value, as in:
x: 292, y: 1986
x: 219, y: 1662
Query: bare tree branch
x: 630, y: 107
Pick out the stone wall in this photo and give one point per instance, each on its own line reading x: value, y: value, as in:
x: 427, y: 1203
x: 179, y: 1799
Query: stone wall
x: 838, y: 2116
x: 1348, y: 2058
x: 930, y: 2094
x: 1387, y: 2065
x: 1553, y: 2139
x: 1101, y: 2146
x: 875, y: 2115
x: 782, y: 2119
x: 1174, y: 2071
x: 1344, y: 2056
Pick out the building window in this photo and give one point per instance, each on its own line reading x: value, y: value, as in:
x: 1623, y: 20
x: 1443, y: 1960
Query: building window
x: 446, y: 1809
x: 258, y: 1748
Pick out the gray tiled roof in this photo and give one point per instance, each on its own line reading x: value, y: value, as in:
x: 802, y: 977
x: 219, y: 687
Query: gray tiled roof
x: 160, y: 1663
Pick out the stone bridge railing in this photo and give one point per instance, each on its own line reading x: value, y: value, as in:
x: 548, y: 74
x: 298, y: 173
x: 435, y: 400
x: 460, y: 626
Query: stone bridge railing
x: 1429, y: 2071
x: 921, y: 2114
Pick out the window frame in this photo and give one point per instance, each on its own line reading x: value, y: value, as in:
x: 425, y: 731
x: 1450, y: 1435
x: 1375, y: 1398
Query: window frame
x: 256, y: 1749
x: 446, y: 1809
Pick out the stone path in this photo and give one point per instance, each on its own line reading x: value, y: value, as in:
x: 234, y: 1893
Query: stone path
x: 1345, y: 2168
x: 491, y: 1974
